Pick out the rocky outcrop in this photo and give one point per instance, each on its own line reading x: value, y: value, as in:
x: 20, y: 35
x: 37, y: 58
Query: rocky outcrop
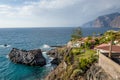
x: 56, y: 61
x: 110, y: 20
x: 69, y: 69
x: 58, y: 54
x: 31, y: 57
x: 53, y: 53
x: 55, y: 74
x: 95, y: 72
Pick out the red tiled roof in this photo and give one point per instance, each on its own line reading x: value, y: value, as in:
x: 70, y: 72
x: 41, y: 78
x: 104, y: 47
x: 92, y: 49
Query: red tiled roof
x: 107, y: 46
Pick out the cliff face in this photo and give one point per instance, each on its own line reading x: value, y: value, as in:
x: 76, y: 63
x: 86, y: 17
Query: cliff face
x: 71, y: 68
x: 58, y: 54
x: 96, y: 73
x: 110, y: 20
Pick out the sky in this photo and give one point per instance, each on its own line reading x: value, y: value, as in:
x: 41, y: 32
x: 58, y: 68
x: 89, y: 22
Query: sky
x: 53, y: 13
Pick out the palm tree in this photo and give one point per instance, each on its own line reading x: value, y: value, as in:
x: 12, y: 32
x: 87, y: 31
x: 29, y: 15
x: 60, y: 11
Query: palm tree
x: 111, y: 36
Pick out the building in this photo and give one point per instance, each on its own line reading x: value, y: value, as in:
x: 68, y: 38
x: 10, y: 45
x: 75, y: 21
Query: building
x: 104, y: 48
x: 110, y: 65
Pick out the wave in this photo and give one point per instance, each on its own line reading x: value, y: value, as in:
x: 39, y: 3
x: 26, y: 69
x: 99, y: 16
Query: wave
x: 7, y: 56
x: 5, y: 46
x: 48, y: 59
x: 45, y: 46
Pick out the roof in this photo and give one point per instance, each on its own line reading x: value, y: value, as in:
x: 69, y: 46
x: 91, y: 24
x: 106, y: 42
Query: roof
x: 106, y: 47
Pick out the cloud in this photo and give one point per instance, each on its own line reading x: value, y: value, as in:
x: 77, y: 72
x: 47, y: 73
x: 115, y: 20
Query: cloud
x: 37, y: 7
x: 55, y: 12
x: 4, y: 9
x: 57, y: 4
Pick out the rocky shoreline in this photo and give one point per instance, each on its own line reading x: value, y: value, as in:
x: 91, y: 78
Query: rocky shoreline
x: 64, y: 70
x: 58, y: 54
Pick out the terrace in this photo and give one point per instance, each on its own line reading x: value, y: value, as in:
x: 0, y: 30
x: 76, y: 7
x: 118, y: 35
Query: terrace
x: 104, y: 48
x: 110, y: 65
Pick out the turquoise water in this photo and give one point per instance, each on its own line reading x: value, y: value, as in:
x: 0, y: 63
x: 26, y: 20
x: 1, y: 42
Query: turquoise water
x: 33, y: 38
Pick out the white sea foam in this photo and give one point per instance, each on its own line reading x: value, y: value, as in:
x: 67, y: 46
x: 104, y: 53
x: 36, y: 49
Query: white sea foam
x: 45, y: 46
x: 48, y: 59
x: 48, y: 65
x: 3, y: 46
x: 7, y: 56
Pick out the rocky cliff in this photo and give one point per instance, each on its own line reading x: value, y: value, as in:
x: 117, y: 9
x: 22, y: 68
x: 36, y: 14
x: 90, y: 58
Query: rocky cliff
x: 58, y: 54
x: 31, y: 57
x: 96, y: 73
x: 110, y: 20
x: 77, y: 66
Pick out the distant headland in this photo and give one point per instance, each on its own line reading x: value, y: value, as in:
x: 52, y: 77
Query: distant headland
x: 109, y: 20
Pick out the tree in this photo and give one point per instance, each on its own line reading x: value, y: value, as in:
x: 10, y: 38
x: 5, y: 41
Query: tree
x: 111, y: 36
x: 77, y: 34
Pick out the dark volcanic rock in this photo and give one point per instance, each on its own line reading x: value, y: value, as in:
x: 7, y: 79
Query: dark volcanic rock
x: 58, y: 54
x: 56, y: 61
x: 53, y: 52
x: 31, y: 57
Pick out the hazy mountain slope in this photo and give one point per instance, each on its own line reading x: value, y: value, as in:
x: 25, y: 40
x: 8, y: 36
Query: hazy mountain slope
x: 110, y: 20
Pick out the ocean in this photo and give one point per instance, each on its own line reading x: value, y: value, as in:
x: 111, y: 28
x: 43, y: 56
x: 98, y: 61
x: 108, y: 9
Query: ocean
x: 33, y: 38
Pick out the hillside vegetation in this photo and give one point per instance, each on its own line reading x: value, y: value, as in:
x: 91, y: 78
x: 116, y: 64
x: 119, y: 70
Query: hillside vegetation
x: 80, y: 63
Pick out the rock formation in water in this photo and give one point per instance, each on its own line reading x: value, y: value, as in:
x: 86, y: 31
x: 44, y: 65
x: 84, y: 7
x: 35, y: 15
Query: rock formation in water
x: 110, y: 20
x: 31, y: 57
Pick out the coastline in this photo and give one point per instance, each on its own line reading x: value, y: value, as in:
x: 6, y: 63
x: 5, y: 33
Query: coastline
x: 28, y: 71
x: 77, y: 60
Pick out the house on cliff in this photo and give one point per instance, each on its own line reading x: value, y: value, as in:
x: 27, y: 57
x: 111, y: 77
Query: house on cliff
x: 110, y: 65
x: 105, y: 48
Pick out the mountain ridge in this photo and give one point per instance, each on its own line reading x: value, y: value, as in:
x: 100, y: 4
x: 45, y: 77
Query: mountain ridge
x: 109, y: 20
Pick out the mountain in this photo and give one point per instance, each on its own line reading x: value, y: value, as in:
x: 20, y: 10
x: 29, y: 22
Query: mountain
x: 110, y: 20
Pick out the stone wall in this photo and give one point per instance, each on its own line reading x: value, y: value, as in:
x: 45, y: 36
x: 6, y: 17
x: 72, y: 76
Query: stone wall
x: 112, y: 68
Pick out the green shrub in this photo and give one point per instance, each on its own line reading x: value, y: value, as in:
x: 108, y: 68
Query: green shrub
x: 87, y: 59
x: 76, y: 72
x: 76, y: 51
x: 83, y: 63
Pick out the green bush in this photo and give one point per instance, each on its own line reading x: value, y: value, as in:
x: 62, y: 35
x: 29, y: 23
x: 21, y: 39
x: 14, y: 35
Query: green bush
x: 87, y: 59
x: 76, y: 51
x: 76, y: 72
x: 83, y: 63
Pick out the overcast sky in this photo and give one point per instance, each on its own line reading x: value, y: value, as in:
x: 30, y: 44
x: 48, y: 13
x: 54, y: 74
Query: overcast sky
x: 53, y: 13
